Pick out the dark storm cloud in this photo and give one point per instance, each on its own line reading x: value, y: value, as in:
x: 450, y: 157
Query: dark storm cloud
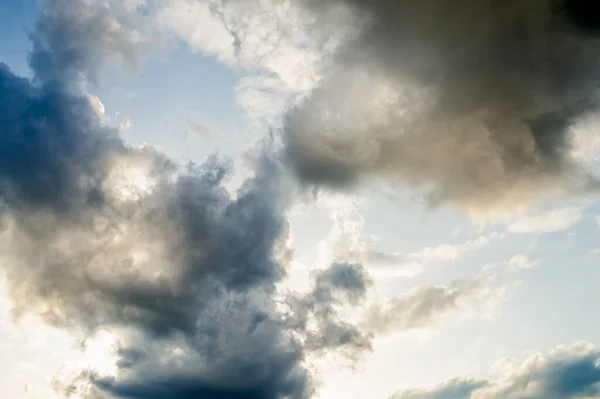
x: 238, y: 351
x: 182, y: 389
x: 53, y: 150
x: 96, y: 235
x: 471, y: 101
x: 564, y: 373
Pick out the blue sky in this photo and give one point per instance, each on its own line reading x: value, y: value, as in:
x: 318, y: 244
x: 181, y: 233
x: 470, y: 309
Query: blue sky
x: 496, y: 288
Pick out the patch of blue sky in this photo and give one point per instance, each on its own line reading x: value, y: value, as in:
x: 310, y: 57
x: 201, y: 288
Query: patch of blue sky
x: 172, y: 96
x: 16, y: 18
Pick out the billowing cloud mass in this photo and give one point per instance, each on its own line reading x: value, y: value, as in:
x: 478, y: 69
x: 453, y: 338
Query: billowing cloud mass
x: 563, y: 373
x: 98, y: 236
x: 470, y: 102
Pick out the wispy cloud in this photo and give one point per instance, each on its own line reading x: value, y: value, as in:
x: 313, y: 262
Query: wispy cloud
x: 426, y: 306
x: 279, y: 48
x: 547, y: 221
x: 347, y: 241
x: 519, y: 262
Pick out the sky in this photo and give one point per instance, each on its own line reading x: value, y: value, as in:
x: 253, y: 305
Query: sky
x: 299, y: 199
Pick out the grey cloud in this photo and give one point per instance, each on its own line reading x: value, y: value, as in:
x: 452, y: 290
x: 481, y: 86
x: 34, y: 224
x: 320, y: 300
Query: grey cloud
x: 341, y: 283
x: 470, y: 101
x: 183, y: 270
x: 198, y: 130
x: 349, y: 279
x: 53, y: 150
x: 422, y: 306
x: 237, y: 352
x: 76, y: 262
x: 564, y: 373
x: 72, y: 40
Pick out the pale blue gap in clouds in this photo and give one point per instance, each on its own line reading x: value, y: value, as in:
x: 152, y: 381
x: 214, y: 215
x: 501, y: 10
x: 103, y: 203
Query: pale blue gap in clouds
x: 170, y: 94
x: 16, y: 17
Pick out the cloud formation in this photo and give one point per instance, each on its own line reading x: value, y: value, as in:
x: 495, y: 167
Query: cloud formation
x: 96, y: 235
x: 470, y: 102
x: 348, y: 241
x: 567, y: 372
x: 547, y: 221
x: 280, y: 49
x: 425, y: 306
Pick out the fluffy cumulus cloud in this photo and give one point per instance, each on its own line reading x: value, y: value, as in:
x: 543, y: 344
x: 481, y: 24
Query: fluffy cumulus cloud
x: 478, y: 104
x: 99, y: 236
x: 567, y: 372
x: 471, y: 102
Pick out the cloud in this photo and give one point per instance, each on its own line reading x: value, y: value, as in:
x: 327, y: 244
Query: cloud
x: 565, y: 372
x: 454, y: 389
x: 125, y: 124
x: 279, y: 49
x: 547, y: 221
x: 97, y: 106
x: 156, y: 262
x: 319, y: 312
x: 348, y: 242
x: 425, y: 306
x: 198, y: 130
x: 449, y: 252
x: 48, y: 158
x: 97, y: 235
x: 72, y: 42
x: 447, y: 99
x: 519, y: 262
x: 410, y: 264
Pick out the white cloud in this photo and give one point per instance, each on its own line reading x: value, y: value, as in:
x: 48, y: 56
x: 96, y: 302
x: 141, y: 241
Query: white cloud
x: 426, y: 306
x: 280, y: 49
x: 195, y: 23
x: 519, y: 262
x: 547, y: 221
x: 449, y: 252
x: 585, y: 140
x: 125, y: 124
x: 348, y: 242
x: 97, y: 106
